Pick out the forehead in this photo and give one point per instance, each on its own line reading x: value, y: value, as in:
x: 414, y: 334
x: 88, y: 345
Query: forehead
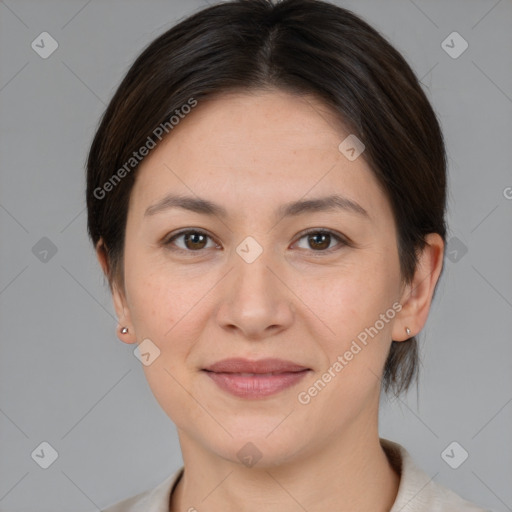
x: 271, y: 146
x: 275, y: 118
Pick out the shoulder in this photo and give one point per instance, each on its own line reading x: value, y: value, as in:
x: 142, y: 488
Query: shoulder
x: 417, y: 491
x: 150, y: 500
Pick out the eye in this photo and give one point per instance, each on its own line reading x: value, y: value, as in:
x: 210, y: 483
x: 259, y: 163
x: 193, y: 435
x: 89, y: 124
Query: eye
x: 320, y: 239
x: 194, y: 240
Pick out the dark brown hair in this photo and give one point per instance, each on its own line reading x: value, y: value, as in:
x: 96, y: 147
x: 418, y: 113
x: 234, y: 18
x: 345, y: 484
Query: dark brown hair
x: 305, y: 47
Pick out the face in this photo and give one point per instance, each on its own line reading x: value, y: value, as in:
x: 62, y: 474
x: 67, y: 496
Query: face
x: 254, y: 281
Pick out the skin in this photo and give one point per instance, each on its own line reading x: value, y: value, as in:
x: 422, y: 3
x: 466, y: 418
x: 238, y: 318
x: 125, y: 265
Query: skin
x: 252, y: 152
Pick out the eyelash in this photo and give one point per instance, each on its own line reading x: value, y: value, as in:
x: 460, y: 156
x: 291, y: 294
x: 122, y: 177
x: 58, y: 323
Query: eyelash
x: 342, y: 241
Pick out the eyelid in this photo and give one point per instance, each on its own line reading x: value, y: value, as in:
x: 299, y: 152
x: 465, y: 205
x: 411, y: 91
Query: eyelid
x: 168, y: 239
x: 342, y: 239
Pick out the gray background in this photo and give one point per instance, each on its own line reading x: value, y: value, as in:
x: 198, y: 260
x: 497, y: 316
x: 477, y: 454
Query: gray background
x: 67, y: 380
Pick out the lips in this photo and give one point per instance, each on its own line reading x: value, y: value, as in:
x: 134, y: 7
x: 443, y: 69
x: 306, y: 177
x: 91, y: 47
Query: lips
x: 262, y: 366
x: 255, y: 379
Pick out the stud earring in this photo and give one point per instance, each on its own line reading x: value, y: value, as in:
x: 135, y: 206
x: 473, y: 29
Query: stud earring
x: 408, y: 331
x: 124, y: 330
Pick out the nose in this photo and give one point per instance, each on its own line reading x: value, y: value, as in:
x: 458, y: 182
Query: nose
x: 256, y: 303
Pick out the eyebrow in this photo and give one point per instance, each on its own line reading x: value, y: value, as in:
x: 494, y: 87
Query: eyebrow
x: 206, y: 207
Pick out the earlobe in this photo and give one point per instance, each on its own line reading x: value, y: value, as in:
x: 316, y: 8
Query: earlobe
x: 125, y: 331
x: 125, y: 335
x: 417, y: 295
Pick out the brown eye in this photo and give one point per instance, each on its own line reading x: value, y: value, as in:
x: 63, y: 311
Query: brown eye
x: 193, y: 240
x: 320, y: 240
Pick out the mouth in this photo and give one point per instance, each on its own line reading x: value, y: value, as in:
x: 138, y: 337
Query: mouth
x: 255, y: 379
x: 261, y: 366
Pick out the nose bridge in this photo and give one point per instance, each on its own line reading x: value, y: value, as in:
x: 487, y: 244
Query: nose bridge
x: 255, y: 299
x: 253, y: 280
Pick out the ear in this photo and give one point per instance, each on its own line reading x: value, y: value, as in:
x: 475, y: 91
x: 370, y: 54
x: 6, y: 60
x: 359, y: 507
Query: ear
x: 417, y: 296
x: 118, y: 296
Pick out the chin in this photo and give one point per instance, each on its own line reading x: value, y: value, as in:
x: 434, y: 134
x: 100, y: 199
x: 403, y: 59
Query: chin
x: 258, y: 446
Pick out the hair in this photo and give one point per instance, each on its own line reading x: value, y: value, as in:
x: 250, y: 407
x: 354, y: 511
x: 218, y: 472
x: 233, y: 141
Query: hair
x: 303, y: 47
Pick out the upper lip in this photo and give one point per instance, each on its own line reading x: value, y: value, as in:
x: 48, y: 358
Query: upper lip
x: 240, y: 365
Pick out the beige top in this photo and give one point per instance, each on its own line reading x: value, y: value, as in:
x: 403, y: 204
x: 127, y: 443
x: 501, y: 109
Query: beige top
x: 417, y: 492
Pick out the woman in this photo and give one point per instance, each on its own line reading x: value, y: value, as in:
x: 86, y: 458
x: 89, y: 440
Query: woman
x: 266, y: 196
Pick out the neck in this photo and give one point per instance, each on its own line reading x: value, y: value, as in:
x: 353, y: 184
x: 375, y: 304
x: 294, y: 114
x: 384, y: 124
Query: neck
x: 347, y: 473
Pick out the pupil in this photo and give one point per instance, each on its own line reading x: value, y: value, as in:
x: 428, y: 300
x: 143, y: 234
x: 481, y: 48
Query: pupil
x: 324, y: 236
x: 193, y: 238
x: 323, y: 243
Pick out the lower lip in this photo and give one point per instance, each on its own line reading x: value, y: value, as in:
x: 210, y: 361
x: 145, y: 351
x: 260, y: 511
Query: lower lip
x: 256, y: 386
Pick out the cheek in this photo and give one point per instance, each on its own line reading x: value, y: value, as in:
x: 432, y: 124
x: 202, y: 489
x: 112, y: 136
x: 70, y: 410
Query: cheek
x: 161, y: 305
x: 169, y: 305
x: 355, y: 307
x: 358, y: 293
x: 166, y: 310
x: 355, y: 352
x: 155, y: 297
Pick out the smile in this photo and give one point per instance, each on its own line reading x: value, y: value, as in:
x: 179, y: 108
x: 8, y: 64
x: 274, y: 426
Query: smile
x: 256, y: 385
